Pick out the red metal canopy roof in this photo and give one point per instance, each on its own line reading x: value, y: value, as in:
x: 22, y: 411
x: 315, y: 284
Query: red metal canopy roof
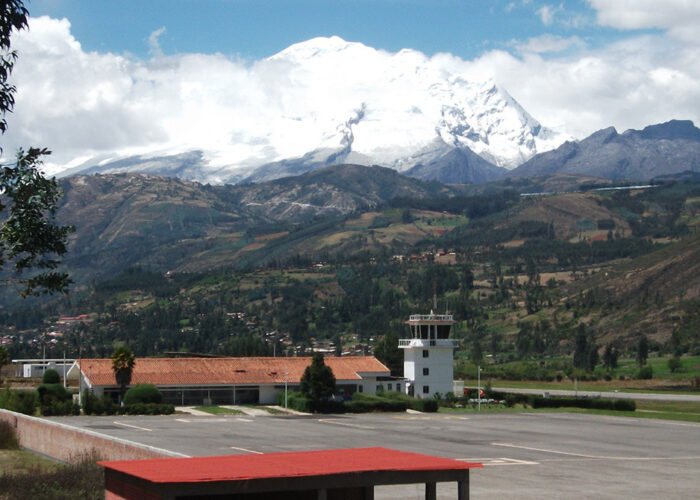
x: 281, y: 465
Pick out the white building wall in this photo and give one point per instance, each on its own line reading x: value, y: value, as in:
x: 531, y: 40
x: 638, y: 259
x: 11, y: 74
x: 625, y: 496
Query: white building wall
x: 409, y: 363
x: 268, y: 395
x: 440, y: 370
x: 369, y: 385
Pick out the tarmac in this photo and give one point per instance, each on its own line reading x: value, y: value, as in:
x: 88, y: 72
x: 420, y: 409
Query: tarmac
x: 526, y: 455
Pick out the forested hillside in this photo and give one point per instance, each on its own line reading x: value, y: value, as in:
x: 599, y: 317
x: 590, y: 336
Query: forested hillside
x: 525, y: 276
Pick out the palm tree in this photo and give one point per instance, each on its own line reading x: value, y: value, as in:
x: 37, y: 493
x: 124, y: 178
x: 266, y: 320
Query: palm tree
x: 123, y: 362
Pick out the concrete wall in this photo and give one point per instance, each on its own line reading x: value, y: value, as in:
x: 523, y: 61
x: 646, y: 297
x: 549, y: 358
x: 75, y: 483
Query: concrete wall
x: 66, y: 443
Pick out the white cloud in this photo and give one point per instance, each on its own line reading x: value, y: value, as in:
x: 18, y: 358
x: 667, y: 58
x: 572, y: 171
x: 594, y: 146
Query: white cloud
x: 154, y: 44
x: 548, y: 43
x: 546, y: 13
x: 680, y: 17
x: 629, y: 84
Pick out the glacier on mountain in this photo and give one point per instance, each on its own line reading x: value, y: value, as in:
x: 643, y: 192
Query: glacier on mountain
x: 327, y: 101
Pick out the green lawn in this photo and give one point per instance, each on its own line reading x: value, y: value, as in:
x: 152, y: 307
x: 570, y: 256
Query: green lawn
x: 600, y: 386
x: 268, y: 409
x: 663, y: 380
x: 218, y: 410
x: 666, y: 410
x: 690, y: 367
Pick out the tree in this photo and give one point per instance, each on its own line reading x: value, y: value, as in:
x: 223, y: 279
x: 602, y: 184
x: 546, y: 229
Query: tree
x: 123, y: 362
x: 674, y: 364
x: 317, y: 382
x: 387, y: 351
x: 610, y: 357
x: 50, y: 376
x: 477, y: 353
x: 581, y: 348
x: 4, y: 359
x: 592, y: 357
x: 28, y: 236
x: 467, y: 282
x: 642, y: 350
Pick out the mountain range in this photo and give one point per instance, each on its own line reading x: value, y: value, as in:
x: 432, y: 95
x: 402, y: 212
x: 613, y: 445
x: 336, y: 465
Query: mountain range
x: 344, y: 102
x: 657, y: 150
x: 332, y: 102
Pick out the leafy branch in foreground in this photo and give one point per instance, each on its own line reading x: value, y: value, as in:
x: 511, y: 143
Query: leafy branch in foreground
x: 29, y: 238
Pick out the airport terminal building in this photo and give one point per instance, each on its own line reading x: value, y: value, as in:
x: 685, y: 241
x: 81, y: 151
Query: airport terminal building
x: 230, y: 381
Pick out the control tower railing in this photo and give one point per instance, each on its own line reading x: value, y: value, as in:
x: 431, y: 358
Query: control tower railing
x: 453, y: 343
x: 431, y: 317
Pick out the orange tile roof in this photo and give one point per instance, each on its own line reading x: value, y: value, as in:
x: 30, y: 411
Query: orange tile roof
x: 229, y: 371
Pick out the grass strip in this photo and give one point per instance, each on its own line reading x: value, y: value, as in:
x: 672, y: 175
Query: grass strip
x: 218, y: 410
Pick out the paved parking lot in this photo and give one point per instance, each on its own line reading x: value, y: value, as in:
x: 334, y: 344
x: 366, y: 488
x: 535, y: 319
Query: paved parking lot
x: 542, y: 455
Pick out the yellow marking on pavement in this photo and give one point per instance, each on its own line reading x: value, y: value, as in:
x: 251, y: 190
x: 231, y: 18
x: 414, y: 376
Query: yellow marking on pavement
x: 133, y: 426
x: 455, y: 417
x: 239, y: 419
x: 183, y: 420
x: 246, y: 450
x: 335, y: 422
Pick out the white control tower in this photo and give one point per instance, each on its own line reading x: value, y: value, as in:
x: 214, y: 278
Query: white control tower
x: 428, y: 355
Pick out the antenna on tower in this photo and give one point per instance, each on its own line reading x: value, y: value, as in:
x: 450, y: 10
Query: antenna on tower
x: 435, y: 295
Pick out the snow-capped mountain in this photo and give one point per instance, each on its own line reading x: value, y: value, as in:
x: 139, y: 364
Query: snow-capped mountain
x: 327, y: 101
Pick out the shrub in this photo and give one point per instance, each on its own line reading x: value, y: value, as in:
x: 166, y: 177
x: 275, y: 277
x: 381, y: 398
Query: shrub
x: 19, y: 401
x: 54, y: 399
x: 92, y: 405
x: 148, y: 409
x: 53, y: 391
x: 83, y: 479
x: 624, y: 405
x: 644, y: 373
x: 424, y: 405
x: 51, y: 377
x: 587, y: 403
x: 365, y: 403
x: 57, y: 408
x: 143, y: 393
x: 8, y: 436
x: 295, y: 401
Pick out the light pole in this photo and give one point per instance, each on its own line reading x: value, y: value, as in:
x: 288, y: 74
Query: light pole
x: 286, y: 379
x: 80, y: 371
x: 478, y: 384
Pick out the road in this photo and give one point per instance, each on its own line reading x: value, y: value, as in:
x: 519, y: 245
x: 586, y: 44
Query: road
x: 528, y: 455
x: 650, y: 396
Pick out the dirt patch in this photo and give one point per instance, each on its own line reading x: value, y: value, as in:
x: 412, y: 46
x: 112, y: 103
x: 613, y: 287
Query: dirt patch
x: 272, y: 236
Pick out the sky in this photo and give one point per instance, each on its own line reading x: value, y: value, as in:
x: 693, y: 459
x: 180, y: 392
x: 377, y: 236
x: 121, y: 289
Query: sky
x: 575, y: 65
